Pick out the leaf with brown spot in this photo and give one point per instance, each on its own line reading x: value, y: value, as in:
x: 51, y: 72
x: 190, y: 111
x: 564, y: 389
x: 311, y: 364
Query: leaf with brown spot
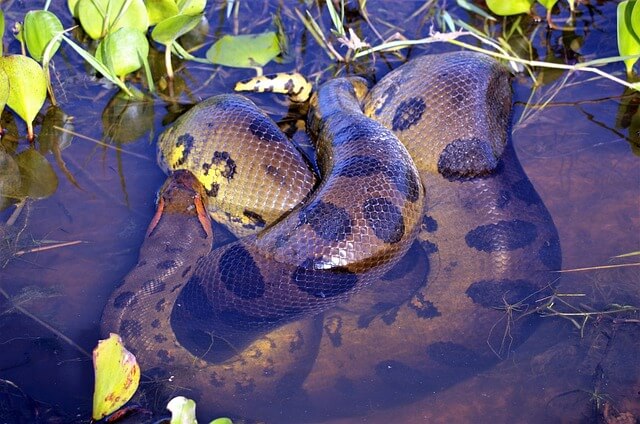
x: 117, y: 376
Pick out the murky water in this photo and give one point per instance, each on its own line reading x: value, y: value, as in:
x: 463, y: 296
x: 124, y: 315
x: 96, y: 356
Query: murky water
x: 577, y: 150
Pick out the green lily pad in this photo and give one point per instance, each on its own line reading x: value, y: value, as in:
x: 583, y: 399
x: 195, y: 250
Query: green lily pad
x: 509, y: 7
x: 1, y: 30
x: 38, y: 179
x: 170, y: 29
x: 191, y: 7
x: 244, y: 51
x: 159, y: 10
x: 629, y: 32
x: 4, y: 89
x: 72, y: 5
x: 39, y: 28
x: 101, y: 17
x: 123, y: 51
x: 117, y: 376
x: 28, y: 87
x: 548, y: 4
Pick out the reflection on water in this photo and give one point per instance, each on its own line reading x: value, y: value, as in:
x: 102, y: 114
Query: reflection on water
x: 577, y: 151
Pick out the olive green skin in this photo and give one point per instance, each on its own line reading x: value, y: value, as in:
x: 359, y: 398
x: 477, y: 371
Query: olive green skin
x: 481, y: 247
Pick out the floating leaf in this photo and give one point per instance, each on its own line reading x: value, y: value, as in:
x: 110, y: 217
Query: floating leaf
x: 38, y: 179
x: 39, y: 28
x: 97, y: 65
x: 629, y: 32
x: 509, y: 7
x: 1, y: 30
x: 191, y: 7
x: 28, y: 87
x: 100, y: 17
x: 183, y: 410
x: 123, y: 51
x: 73, y: 7
x: 4, y: 89
x: 159, y: 10
x: 221, y: 421
x: 117, y: 376
x: 244, y: 51
x: 169, y: 30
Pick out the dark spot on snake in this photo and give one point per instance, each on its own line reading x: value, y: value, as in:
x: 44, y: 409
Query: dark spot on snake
x: 405, y: 180
x: 329, y: 221
x: 155, y: 323
x: 176, y: 287
x: 141, y: 263
x: 168, y: 264
x: 125, y: 299
x: 187, y: 141
x: 153, y: 286
x: 164, y: 356
x: 457, y: 355
x: 408, y: 114
x: 297, y: 342
x: 255, y: 218
x: 500, y: 293
x: 245, y: 388
x: 502, y: 236
x: 289, y: 86
x: 525, y: 191
x: 323, y: 282
x: 186, y: 271
x: 385, y: 219
x: 223, y: 158
x: 160, y: 338
x: 428, y: 247
x: 467, y: 158
x: 550, y: 254
x: 333, y: 328
x: 423, y: 308
x: 388, y: 313
x: 352, y: 132
x: 157, y: 373
x: 358, y: 166
x: 398, y: 373
x: 429, y: 224
x: 240, y: 274
x: 344, y: 385
x: 388, y: 96
x: 130, y: 328
x: 263, y: 128
x: 242, y: 321
x: 213, y: 191
x: 160, y: 305
x: 216, y: 380
x: 504, y: 197
x: 173, y: 249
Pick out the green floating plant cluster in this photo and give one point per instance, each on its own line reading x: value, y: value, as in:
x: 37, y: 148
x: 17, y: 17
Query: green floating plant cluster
x: 628, y: 22
x: 121, y: 28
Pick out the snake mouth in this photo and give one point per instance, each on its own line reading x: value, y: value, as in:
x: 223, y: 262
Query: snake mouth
x: 182, y: 194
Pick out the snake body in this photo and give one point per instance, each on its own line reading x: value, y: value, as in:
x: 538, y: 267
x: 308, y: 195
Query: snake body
x: 481, y: 240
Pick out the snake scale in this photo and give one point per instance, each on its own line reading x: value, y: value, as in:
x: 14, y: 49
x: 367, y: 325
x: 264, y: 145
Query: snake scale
x: 424, y: 243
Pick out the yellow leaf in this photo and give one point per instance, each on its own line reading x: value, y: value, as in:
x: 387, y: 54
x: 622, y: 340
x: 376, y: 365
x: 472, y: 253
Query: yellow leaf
x: 117, y: 376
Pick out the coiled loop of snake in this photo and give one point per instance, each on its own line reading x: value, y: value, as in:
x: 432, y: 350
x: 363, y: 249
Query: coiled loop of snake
x: 488, y: 236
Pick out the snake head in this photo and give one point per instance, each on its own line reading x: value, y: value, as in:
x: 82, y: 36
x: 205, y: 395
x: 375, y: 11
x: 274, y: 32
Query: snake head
x: 182, y: 194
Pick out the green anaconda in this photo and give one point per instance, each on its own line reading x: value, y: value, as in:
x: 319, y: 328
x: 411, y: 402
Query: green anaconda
x: 423, y: 243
